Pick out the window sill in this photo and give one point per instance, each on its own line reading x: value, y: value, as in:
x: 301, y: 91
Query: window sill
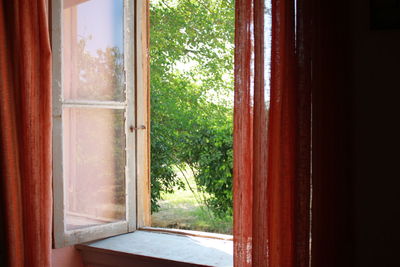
x: 146, y: 248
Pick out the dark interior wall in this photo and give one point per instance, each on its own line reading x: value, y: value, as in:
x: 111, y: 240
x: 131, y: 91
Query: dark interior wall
x: 332, y: 115
x: 376, y: 63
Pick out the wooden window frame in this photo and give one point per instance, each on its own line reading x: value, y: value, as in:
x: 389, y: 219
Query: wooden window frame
x: 136, y: 106
x: 143, y: 112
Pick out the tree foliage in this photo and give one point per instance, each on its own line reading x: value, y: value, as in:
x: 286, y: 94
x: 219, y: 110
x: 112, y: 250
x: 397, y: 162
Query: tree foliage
x: 191, y: 52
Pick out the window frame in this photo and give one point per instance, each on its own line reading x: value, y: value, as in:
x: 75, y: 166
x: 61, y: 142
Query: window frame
x: 142, y: 65
x: 137, y: 127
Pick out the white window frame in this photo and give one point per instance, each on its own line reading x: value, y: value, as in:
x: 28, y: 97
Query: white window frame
x: 137, y: 127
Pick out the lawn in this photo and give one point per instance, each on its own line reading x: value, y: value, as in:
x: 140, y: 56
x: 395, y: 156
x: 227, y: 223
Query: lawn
x: 181, y: 210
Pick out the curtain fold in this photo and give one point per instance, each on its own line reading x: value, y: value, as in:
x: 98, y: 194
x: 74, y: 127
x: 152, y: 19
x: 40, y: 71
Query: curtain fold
x: 25, y: 137
x: 272, y: 147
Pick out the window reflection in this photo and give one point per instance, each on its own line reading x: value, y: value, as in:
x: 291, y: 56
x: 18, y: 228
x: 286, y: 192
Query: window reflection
x: 93, y: 50
x: 93, y: 137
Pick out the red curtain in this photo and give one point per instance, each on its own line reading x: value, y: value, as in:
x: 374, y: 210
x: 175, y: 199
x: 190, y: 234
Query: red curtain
x: 25, y: 137
x: 272, y: 137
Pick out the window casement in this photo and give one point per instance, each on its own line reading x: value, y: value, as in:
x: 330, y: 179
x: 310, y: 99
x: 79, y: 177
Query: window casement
x: 100, y: 118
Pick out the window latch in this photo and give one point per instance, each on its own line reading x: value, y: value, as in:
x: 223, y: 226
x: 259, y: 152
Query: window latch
x: 131, y: 128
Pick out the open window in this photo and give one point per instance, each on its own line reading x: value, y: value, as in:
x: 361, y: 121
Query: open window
x: 100, y: 119
x: 101, y: 143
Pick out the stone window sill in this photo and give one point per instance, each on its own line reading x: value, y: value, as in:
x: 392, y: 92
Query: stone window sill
x: 149, y: 248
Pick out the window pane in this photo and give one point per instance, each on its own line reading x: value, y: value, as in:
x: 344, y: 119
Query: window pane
x: 93, y: 50
x: 94, y: 166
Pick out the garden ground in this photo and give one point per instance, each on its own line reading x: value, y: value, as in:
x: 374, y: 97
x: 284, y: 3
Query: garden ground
x: 181, y: 210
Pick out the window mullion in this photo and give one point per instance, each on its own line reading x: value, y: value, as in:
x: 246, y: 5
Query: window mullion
x: 94, y: 104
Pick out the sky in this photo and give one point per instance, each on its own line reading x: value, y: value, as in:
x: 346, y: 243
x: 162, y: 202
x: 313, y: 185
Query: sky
x: 102, y: 20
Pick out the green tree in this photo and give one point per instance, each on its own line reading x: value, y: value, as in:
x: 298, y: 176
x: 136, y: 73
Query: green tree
x: 191, y: 52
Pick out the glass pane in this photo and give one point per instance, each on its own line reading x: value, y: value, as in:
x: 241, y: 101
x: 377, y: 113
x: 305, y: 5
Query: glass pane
x: 94, y: 166
x: 93, y: 50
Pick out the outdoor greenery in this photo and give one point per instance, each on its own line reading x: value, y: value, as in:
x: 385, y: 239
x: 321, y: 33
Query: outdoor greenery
x: 191, y: 57
x: 182, y: 210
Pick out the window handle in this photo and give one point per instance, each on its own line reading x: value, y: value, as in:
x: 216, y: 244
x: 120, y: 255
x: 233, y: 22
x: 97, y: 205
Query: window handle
x: 131, y: 128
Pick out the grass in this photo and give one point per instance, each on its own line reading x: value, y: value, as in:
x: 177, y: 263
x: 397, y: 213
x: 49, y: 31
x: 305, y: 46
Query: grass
x: 181, y: 210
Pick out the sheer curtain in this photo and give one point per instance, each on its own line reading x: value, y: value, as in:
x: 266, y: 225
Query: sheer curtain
x: 272, y: 135
x: 25, y: 136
